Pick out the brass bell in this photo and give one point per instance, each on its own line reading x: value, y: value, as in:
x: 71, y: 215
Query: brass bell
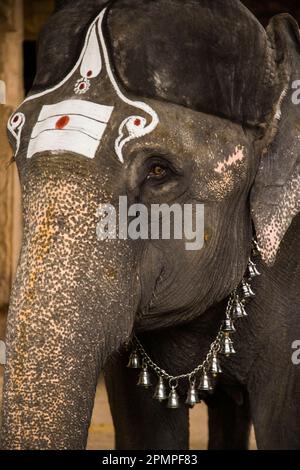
x: 215, y: 367
x: 134, y: 360
x: 160, y: 393
x: 205, y: 383
x: 247, y: 291
x: 252, y: 270
x: 192, y: 395
x: 144, y: 377
x: 238, y: 310
x: 227, y: 346
x: 173, y: 400
x: 228, y: 326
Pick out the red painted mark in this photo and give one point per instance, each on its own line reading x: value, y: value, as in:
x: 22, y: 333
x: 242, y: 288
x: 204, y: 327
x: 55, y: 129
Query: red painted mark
x: 89, y: 73
x: 62, y: 122
x: 82, y: 86
x: 137, y: 122
x: 16, y: 118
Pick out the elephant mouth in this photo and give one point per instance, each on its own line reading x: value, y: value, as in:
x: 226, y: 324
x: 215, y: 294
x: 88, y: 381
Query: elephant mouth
x: 147, y: 309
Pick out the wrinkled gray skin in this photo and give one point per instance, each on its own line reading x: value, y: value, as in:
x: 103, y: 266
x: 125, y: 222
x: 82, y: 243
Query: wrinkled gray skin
x: 76, y: 300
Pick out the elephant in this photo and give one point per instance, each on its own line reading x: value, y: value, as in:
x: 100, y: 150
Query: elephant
x: 161, y: 101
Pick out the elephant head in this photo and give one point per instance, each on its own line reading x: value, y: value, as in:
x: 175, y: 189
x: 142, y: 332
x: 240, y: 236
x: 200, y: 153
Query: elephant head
x: 163, y: 101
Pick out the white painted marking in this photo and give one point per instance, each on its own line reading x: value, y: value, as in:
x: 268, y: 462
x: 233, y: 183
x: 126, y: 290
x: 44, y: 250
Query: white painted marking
x: 82, y: 86
x: 137, y: 104
x: 69, y: 75
x: 132, y: 131
x: 82, y: 124
x: 91, y: 63
x: 81, y: 133
x: 15, y: 125
x: 100, y: 112
x: 63, y: 141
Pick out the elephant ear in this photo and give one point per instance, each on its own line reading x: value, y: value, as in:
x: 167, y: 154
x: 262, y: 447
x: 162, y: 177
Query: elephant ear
x: 275, y: 196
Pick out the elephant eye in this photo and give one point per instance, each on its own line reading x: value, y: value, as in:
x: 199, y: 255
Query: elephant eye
x: 157, y: 172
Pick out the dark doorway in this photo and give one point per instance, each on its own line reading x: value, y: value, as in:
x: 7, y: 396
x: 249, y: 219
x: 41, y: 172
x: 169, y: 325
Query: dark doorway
x: 29, y: 56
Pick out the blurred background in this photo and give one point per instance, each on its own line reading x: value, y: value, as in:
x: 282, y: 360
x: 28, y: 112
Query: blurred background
x: 20, y: 24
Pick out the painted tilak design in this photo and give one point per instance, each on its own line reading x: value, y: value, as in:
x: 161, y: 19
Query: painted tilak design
x: 76, y: 124
x: 80, y: 133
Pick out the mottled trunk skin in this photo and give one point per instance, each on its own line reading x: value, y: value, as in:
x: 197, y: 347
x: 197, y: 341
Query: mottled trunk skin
x: 65, y: 302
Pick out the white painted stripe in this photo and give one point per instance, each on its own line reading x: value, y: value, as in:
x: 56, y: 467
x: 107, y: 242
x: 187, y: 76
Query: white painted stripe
x: 100, y: 112
x: 83, y: 124
x: 119, y: 144
x: 64, y: 141
x: 138, y: 104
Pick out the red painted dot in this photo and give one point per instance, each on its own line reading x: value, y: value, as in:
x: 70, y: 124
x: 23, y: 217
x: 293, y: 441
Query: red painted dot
x: 82, y: 86
x: 16, y: 118
x: 62, y: 122
x: 137, y: 122
x: 89, y: 73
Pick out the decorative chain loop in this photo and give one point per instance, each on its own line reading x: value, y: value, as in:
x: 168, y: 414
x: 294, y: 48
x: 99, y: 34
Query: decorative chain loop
x: 214, y: 349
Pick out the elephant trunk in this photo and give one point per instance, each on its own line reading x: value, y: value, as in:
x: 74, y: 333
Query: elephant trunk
x: 67, y: 313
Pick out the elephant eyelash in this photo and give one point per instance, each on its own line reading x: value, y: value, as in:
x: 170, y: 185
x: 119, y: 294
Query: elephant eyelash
x: 163, y: 162
x: 153, y: 172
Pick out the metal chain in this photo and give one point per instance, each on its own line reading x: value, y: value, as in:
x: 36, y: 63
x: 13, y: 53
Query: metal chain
x: 215, y: 346
x: 214, y: 349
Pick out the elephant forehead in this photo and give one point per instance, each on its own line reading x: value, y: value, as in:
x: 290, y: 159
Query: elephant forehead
x: 217, y: 153
x: 209, y: 56
x: 210, y: 141
x: 199, y: 54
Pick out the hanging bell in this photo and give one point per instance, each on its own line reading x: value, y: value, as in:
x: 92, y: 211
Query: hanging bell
x: 227, y: 347
x: 252, y: 270
x: 228, y: 326
x: 247, y: 291
x: 192, y: 395
x: 215, y: 367
x: 160, y: 393
x: 173, y: 400
x: 144, y: 377
x: 134, y: 360
x: 205, y: 382
x: 238, y: 310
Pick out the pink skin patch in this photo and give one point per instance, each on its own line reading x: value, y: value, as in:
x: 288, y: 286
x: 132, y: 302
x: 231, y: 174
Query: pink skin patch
x: 62, y: 122
x: 237, y: 156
